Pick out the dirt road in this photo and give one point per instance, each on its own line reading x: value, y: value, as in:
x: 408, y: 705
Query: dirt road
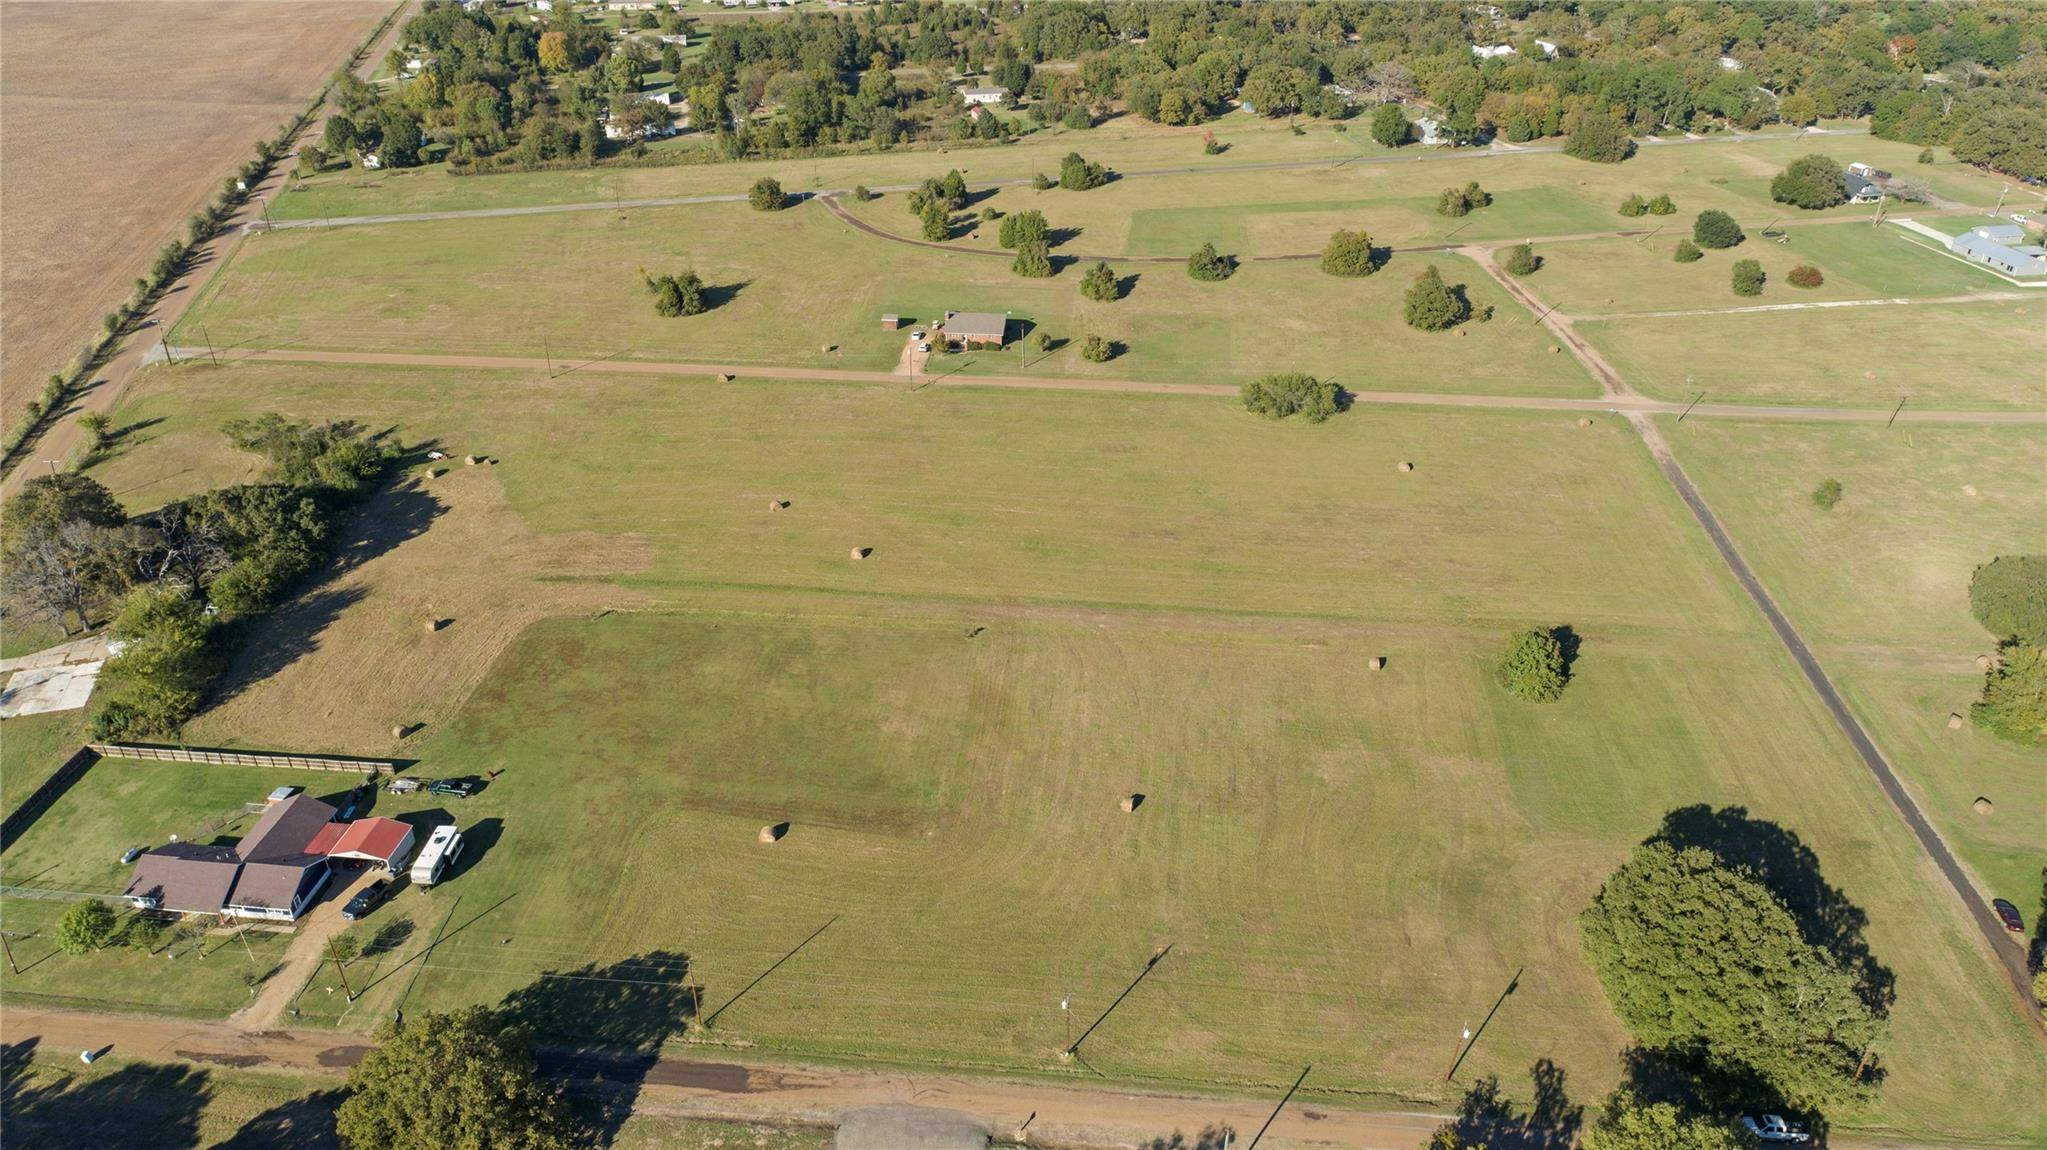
x: 1078, y: 1113
x: 1623, y: 401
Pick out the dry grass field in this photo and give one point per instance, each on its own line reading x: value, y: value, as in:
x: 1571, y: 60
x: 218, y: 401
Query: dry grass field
x: 107, y: 151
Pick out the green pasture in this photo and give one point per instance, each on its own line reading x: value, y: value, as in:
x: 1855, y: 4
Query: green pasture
x: 800, y: 288
x: 1961, y: 355
x: 1880, y: 587
x: 32, y: 747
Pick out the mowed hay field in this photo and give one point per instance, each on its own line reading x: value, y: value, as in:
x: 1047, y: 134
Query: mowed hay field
x: 1880, y: 587
x: 104, y: 166
x: 1073, y: 597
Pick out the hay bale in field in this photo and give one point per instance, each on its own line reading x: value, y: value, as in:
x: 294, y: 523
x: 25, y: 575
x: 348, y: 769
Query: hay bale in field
x: 828, y: 348
x: 1555, y: 350
x: 1585, y: 422
x: 724, y: 377
x: 1406, y: 466
x: 1983, y: 662
x: 773, y: 832
x: 862, y: 552
x: 472, y: 460
x: 433, y: 625
x: 436, y: 472
x: 1983, y: 806
x: 1869, y: 375
x: 1376, y: 662
x: 1969, y: 489
x: 1131, y: 802
x: 1954, y: 721
x: 777, y: 504
x: 399, y: 731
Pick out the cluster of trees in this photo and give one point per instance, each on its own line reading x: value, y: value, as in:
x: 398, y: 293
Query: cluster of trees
x: 1432, y: 305
x: 178, y: 579
x: 677, y: 295
x: 1811, y: 182
x: 1078, y: 174
x: 2009, y: 597
x: 1350, y: 253
x: 1462, y: 201
x: 1293, y: 393
x: 1635, y: 206
x: 1209, y: 265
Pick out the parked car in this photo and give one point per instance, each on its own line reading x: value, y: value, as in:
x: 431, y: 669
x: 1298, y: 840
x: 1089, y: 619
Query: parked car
x: 452, y: 788
x: 918, y: 336
x: 133, y: 854
x: 1770, y: 1128
x: 366, y: 900
x: 924, y: 349
x: 2009, y: 914
x: 403, y: 786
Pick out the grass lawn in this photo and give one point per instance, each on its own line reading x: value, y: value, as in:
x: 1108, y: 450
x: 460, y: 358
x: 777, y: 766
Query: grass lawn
x: 798, y: 282
x: 32, y: 747
x: 1880, y: 587
x: 1983, y: 355
x: 1178, y: 600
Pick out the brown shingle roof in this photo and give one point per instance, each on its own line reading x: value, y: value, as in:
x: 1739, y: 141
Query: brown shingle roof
x: 285, y: 829
x: 185, y: 877
x: 977, y: 325
x: 268, y: 884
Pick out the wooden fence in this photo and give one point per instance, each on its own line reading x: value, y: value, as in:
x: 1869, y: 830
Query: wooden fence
x: 240, y: 758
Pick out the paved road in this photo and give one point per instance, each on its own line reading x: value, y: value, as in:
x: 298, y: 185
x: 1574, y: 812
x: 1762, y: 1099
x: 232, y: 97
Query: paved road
x: 1621, y: 401
x: 758, y: 1090
x: 1019, y: 182
x: 143, y: 345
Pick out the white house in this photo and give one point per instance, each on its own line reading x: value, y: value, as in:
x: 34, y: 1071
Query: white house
x: 1731, y: 64
x: 975, y: 96
x: 678, y: 39
x: 542, y: 5
x: 1549, y: 49
x: 370, y: 162
x: 1492, y: 51
x: 1430, y: 133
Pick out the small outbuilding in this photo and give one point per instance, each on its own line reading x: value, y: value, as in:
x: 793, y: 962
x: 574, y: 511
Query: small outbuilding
x: 890, y: 322
x: 386, y: 842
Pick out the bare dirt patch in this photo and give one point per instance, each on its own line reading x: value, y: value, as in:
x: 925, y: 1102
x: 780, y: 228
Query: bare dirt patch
x: 353, y: 657
x: 118, y: 121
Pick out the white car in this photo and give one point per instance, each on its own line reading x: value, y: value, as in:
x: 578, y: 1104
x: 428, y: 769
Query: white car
x: 1770, y: 1128
x: 918, y: 336
x: 924, y: 349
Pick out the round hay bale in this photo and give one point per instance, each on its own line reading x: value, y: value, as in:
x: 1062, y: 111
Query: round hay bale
x: 432, y: 625
x: 398, y: 732
x: 436, y: 472
x: 777, y: 504
x: 1585, y: 422
x: 862, y: 552
x: 1983, y: 662
x: 724, y: 377
x: 472, y: 460
x: 1406, y: 466
x: 1869, y: 375
x: 1463, y: 331
x: 1376, y: 662
x: 773, y: 832
x: 1969, y: 490
x: 1954, y: 722
x: 1555, y: 350
x: 1131, y: 802
x: 1983, y: 806
x: 829, y: 347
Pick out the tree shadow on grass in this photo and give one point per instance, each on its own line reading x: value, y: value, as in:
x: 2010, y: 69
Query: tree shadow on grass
x: 301, y: 1124
x: 1487, y: 1118
x: 601, y: 1027
x: 718, y: 295
x: 140, y: 1104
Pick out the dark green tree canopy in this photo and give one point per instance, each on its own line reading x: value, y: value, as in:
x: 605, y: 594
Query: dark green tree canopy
x: 1077, y: 174
x: 1032, y: 261
x: 1534, y: 666
x: 1687, y: 252
x: 1390, y: 127
x: 1521, y: 260
x: 1099, y: 283
x: 1811, y: 182
x: 1600, y: 137
x: 47, y: 502
x: 1349, y: 253
x: 766, y: 195
x: 2014, y: 702
x: 2009, y: 597
x: 1630, y: 1122
x: 677, y: 295
x: 462, y: 1079
x: 1020, y: 228
x: 1716, y: 229
x: 1748, y: 277
x: 1431, y: 305
x: 1293, y: 393
x: 1209, y: 265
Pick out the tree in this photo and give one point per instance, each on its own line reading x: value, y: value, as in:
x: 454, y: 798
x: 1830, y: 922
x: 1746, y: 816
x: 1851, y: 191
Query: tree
x: 1811, y: 182
x: 2008, y: 595
x: 1462, y: 201
x: 1748, y: 277
x: 1634, y: 205
x: 1078, y: 175
x: 1349, y: 253
x: 460, y: 1079
x: 937, y: 221
x: 1025, y: 227
x: 1521, y: 260
x: 1662, y: 205
x: 67, y: 573
x: 1032, y: 260
x: 1600, y: 137
x: 766, y: 195
x: 677, y: 295
x: 85, y: 926
x: 1533, y: 667
x: 1099, y: 283
x: 1390, y: 127
x: 1292, y: 393
x: 1716, y: 229
x: 1805, y: 276
x: 953, y: 189
x: 1096, y: 349
x: 1926, y: 155
x: 49, y: 501
x: 1208, y: 265
x: 553, y: 51
x: 1701, y: 959
x: 1078, y: 119
x: 1432, y: 305
x: 1687, y: 252
x: 166, y: 660
x: 1827, y: 495
x: 1628, y: 1122
x: 2014, y: 702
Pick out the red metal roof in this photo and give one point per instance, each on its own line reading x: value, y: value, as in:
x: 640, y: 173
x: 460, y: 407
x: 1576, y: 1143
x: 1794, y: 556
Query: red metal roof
x: 324, y: 839
x: 372, y: 838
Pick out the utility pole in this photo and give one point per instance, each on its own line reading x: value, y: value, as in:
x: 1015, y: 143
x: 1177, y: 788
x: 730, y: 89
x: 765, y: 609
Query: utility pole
x: 1895, y: 411
x: 1999, y: 209
x: 1688, y: 407
x: 341, y: 969
x: 1457, y: 1053
x: 210, y: 353
x: 165, y: 343
x: 9, y: 948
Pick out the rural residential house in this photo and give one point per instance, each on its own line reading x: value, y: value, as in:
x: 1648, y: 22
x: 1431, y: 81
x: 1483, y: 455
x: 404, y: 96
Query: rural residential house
x: 1492, y: 51
x: 975, y: 96
x: 2003, y: 247
x: 275, y: 872
x: 1864, y: 184
x: 1430, y: 133
x: 976, y: 328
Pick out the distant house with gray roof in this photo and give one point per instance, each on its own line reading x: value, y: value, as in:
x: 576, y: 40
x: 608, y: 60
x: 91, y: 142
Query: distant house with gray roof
x: 2002, y: 247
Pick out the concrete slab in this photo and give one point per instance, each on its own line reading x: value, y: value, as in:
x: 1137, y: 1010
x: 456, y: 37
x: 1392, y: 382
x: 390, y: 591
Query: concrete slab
x: 908, y: 1128
x: 42, y: 689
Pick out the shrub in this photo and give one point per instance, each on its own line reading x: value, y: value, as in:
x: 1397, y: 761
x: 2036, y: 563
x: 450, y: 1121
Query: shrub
x: 678, y: 294
x: 1687, y: 252
x: 1533, y: 667
x: 1099, y: 283
x: 1208, y: 265
x: 1019, y: 228
x: 1662, y: 205
x: 2014, y: 702
x: 1041, y: 182
x: 1431, y: 305
x: 1078, y: 175
x: 861, y: 194
x: 1716, y: 229
x: 1455, y: 202
x: 1748, y: 277
x: 1811, y: 182
x: 1349, y: 253
x: 1634, y: 206
x: 766, y: 195
x: 1521, y: 260
x: 1926, y: 155
x: 1805, y: 276
x: 1292, y: 393
x: 1390, y: 127
x: 1210, y: 146
x: 1078, y: 119
x: 989, y: 215
x: 2009, y: 597
x: 1032, y: 260
x: 1600, y: 137
x: 155, y: 683
x: 1095, y: 349
x: 1827, y: 494
x: 85, y: 926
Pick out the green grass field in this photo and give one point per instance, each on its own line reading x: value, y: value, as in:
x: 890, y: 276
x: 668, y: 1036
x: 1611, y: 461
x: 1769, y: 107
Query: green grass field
x: 1879, y: 586
x: 1178, y: 600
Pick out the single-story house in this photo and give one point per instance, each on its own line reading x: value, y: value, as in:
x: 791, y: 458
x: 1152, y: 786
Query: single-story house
x: 976, y: 328
x: 679, y: 39
x: 1730, y: 64
x: 984, y: 95
x: 1549, y: 48
x: 1430, y: 133
x: 370, y: 162
x: 274, y: 872
x: 1860, y: 188
x: 1492, y: 51
x: 1995, y: 246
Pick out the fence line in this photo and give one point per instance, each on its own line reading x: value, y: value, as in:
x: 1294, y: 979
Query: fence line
x: 18, y: 820
x: 157, y: 754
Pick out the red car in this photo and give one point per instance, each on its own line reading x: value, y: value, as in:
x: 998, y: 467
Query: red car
x: 2010, y: 915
